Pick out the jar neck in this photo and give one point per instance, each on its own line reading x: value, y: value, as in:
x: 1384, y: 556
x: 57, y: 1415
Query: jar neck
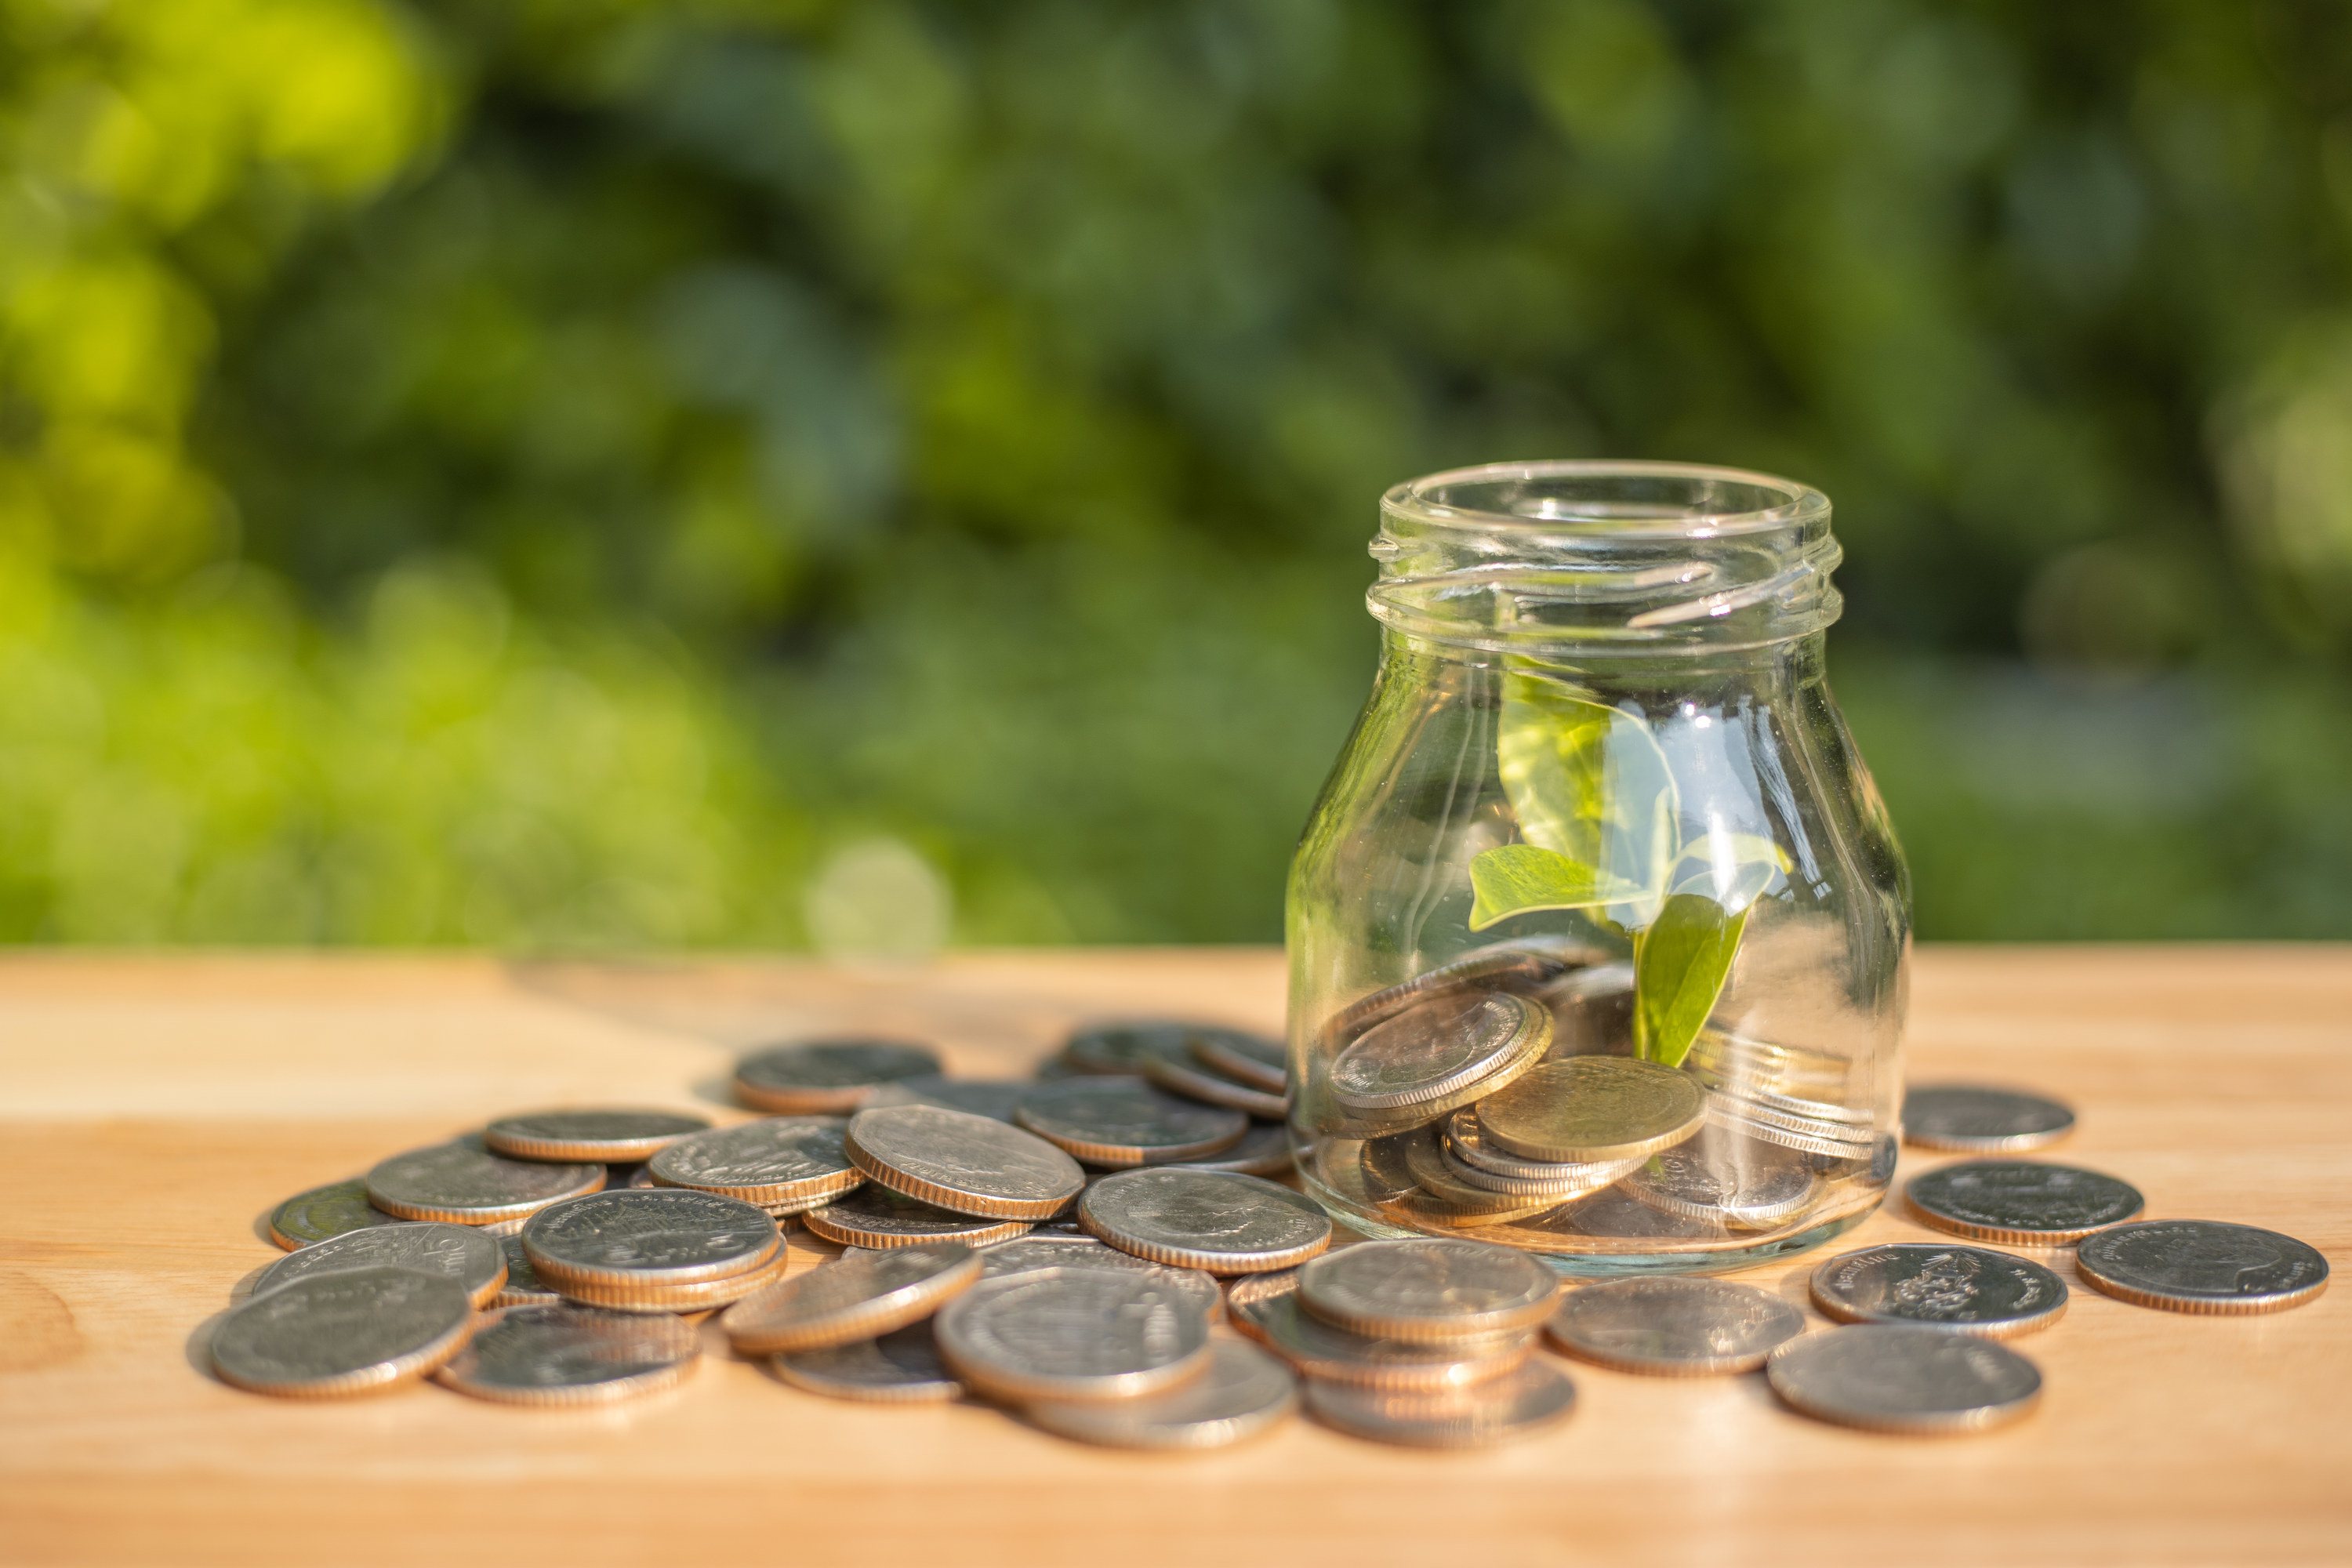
x: 1780, y: 665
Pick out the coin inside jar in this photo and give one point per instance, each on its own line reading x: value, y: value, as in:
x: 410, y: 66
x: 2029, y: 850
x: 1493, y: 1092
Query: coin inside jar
x: 827, y: 1078
x: 1125, y: 1121
x: 2202, y: 1265
x: 1885, y: 1378
x: 783, y: 1163
x: 2021, y: 1201
x: 1428, y: 1289
x: 854, y: 1298
x: 466, y: 1184
x: 1967, y: 1290
x: 1519, y: 1403
x: 964, y: 1164
x: 1593, y: 1108
x: 1740, y: 1182
x: 1213, y: 1220
x: 1673, y: 1326
x: 878, y: 1218
x: 347, y: 1331
x: 335, y: 1209
x: 1969, y: 1119
x: 901, y: 1367
x: 459, y: 1252
x: 1072, y: 1333
x: 648, y: 1236
x: 571, y: 1355
x: 1244, y: 1392
x: 1440, y: 1053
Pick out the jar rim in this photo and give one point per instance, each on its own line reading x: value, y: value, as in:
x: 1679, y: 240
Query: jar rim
x: 1425, y: 500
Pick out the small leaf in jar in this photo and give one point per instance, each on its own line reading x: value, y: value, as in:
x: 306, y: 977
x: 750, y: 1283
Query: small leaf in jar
x: 1588, y: 782
x: 1734, y: 868
x: 1513, y: 879
x: 1680, y: 964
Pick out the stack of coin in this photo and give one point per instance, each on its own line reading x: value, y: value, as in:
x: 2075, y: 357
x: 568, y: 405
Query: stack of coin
x: 660, y: 1249
x: 1787, y: 1095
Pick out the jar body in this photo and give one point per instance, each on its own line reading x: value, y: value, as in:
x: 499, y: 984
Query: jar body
x: 1668, y: 854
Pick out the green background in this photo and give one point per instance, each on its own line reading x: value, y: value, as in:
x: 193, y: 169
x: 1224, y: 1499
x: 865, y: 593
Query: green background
x: 576, y: 473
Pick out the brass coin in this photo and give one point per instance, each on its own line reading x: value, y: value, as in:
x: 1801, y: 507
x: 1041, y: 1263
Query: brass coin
x: 656, y: 1238
x: 1177, y: 1069
x: 964, y: 1164
x: 878, y: 1218
x: 1440, y: 1053
x: 857, y: 1297
x: 1593, y: 1108
x: 1244, y: 1392
x: 1968, y: 1119
x: 1429, y: 1290
x: 335, y: 1209
x: 347, y: 1331
x: 1236, y: 1053
x: 1521, y: 1403
x: 827, y: 1078
x: 1124, y: 1121
x: 2021, y: 1201
x: 2202, y: 1265
x: 901, y: 1367
x: 569, y: 1356
x: 459, y: 1252
x: 611, y: 1136
x: 783, y: 1163
x: 465, y: 1184
x: 1317, y: 1349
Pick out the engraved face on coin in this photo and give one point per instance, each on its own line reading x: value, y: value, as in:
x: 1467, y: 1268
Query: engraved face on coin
x: 1125, y: 1121
x: 322, y: 1212
x: 1593, y: 1108
x: 2021, y: 1202
x: 1905, y: 1379
x: 1205, y: 1219
x: 993, y: 1098
x: 1027, y: 1254
x: 656, y: 1236
x: 1244, y: 1392
x: 459, y: 1252
x: 2202, y: 1265
x: 1742, y: 1183
x: 827, y: 1078
x: 901, y: 1367
x: 878, y: 1218
x: 466, y: 1184
x: 1428, y: 1290
x: 522, y: 1287
x: 1673, y: 1326
x: 1440, y: 1053
x: 569, y: 1355
x: 964, y: 1164
x: 1074, y: 1333
x: 1317, y: 1349
x: 1965, y: 1288
x: 1519, y: 1403
x: 783, y: 1163
x: 1238, y: 1054
x: 353, y: 1330
x: 1970, y: 1120
x: 857, y: 1297
x: 611, y: 1136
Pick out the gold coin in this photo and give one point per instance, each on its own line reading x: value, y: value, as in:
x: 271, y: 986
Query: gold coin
x: 1593, y: 1108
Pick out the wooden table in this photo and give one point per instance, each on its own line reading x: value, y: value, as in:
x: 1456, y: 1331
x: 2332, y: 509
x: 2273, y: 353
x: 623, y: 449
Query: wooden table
x: 154, y: 1109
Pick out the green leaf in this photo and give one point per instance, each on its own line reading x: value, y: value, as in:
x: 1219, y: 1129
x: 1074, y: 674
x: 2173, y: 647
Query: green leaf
x: 1680, y: 964
x: 1516, y: 878
x: 1733, y: 868
x: 1590, y: 782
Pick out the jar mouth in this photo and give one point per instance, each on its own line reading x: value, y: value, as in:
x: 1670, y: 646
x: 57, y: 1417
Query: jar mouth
x: 1588, y: 496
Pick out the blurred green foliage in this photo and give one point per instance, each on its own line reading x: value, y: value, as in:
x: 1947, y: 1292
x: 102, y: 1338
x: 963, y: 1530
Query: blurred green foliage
x: 585, y: 472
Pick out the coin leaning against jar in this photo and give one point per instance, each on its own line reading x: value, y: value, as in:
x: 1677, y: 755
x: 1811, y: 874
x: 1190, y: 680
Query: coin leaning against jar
x: 1967, y: 1290
x: 1673, y: 1326
x: 2021, y: 1201
x: 827, y: 1078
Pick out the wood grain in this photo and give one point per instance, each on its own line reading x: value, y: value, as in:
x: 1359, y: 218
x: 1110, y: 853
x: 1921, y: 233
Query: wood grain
x: 154, y: 1109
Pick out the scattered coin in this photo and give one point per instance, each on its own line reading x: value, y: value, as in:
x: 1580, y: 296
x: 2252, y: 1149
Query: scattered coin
x: 1593, y: 1108
x: 1970, y: 1119
x: 878, y: 1218
x: 827, y: 1078
x: 854, y: 1298
x: 335, y: 1209
x: 1264, y: 1150
x: 1253, y: 1058
x: 1072, y: 1333
x: 993, y: 1098
x: 901, y: 1367
x: 1519, y: 1403
x: 1428, y: 1290
x: 1966, y: 1289
x: 353, y: 1331
x: 704, y: 1296
x: 1244, y: 1392
x: 1118, y: 1049
x: 1740, y: 1182
x: 650, y: 1239
x: 1889, y: 1378
x: 1673, y: 1325
x: 1125, y: 1121
x: 611, y: 1136
x: 458, y: 1252
x: 1175, y: 1069
x: 1214, y: 1220
x: 1315, y: 1349
x: 522, y: 1287
x: 466, y: 1184
x: 2202, y: 1265
x: 1440, y: 1053
x: 2021, y: 1201
x: 783, y: 1163
x: 963, y: 1163
x: 1028, y: 1254
x: 568, y: 1355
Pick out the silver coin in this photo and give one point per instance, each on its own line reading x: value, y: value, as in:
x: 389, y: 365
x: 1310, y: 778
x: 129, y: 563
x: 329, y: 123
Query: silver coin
x: 1236, y: 1053
x: 1429, y: 1289
x: 995, y: 1099
x: 523, y: 1287
x: 1966, y: 1289
x: 1213, y: 1220
x: 1849, y: 1119
x: 1673, y: 1326
x: 1386, y: 1164
x: 335, y: 1209
x: 458, y: 1252
x: 1970, y: 1120
x: 852, y: 1298
x: 827, y: 1078
x: 641, y: 1177
x: 1525, y: 964
x: 655, y: 1237
x: 1028, y: 1254
x: 2021, y: 1201
x: 1847, y: 1136
x: 1609, y: 1215
x: 1117, y: 1048
x: 783, y: 1163
x: 1738, y: 1181
x: 878, y: 1218
x: 964, y: 1164
x: 466, y: 1183
x: 901, y: 1367
x: 353, y: 1331
x: 1244, y: 1392
x: 2202, y: 1265
x: 627, y: 1136
x: 1264, y: 1150
x: 1445, y: 1198
x: 1728, y: 1116
x: 1176, y: 1069
x: 1073, y: 1334
x: 1889, y: 1378
x: 1441, y: 1053
x: 1125, y: 1121
x: 1519, y: 1403
x: 1319, y: 1350
x: 569, y: 1355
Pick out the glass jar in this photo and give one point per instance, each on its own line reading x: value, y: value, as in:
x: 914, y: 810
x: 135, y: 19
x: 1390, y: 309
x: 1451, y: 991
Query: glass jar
x: 1598, y: 934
